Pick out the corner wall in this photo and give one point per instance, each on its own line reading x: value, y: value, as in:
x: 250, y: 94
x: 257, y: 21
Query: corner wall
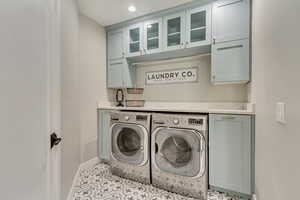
x: 70, y: 94
x: 92, y: 69
x: 276, y: 70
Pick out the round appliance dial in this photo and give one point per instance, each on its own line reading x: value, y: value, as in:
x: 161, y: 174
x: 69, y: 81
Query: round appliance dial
x: 127, y: 118
x: 176, y: 121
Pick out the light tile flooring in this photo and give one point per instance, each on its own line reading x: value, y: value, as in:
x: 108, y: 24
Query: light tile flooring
x: 97, y: 183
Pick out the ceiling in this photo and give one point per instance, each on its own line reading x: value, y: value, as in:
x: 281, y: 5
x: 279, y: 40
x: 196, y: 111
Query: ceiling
x: 108, y: 12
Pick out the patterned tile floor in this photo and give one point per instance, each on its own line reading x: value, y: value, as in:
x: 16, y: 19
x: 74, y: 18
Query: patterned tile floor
x: 98, y: 183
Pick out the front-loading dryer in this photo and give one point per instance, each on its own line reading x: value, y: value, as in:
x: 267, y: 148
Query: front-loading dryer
x: 179, y: 154
x: 130, y: 144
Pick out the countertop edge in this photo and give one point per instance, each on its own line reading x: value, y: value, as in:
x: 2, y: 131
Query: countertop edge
x: 178, y: 110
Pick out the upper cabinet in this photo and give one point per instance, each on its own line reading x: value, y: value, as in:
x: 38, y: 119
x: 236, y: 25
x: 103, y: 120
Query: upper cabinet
x: 221, y: 28
x: 174, y: 31
x: 230, y: 48
x: 115, y: 47
x: 119, y: 73
x: 231, y: 20
x: 198, y: 26
x: 230, y: 62
x: 134, y: 40
x: 153, y: 36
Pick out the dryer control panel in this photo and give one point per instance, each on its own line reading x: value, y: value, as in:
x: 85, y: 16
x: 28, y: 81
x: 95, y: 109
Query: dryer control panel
x: 198, y: 122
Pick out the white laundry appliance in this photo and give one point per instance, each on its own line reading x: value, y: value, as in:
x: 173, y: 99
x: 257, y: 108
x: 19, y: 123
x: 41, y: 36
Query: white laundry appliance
x: 130, y: 145
x: 179, y: 153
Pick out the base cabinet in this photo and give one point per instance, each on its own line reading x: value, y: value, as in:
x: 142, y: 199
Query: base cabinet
x: 231, y: 153
x: 104, y: 134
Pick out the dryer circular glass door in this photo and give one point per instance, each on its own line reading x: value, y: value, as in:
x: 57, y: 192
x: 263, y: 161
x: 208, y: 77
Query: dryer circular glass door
x: 179, y: 151
x: 129, y: 143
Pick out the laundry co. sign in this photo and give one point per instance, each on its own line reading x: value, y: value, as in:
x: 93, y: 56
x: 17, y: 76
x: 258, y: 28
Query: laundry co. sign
x: 172, y: 76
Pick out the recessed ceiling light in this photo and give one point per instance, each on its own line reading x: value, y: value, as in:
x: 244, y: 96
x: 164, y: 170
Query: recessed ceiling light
x: 132, y: 8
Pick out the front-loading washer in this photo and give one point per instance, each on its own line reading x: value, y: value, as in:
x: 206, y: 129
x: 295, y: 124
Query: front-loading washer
x: 130, y: 144
x: 179, y: 154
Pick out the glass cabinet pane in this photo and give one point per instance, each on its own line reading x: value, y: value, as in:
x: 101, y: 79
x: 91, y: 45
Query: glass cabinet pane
x: 134, y: 44
x: 153, y: 36
x: 198, y: 35
x: 134, y: 35
x: 174, y: 34
x: 198, y: 26
x: 134, y: 47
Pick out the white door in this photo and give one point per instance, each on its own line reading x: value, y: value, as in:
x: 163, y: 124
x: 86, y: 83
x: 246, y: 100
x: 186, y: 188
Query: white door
x: 28, y: 67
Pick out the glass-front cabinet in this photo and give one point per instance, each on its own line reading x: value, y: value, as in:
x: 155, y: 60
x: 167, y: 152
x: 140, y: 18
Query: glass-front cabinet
x: 174, y: 31
x: 198, y: 26
x: 153, y: 36
x: 134, y: 42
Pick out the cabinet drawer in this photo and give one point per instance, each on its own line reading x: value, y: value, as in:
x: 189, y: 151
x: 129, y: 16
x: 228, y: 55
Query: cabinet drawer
x: 230, y: 62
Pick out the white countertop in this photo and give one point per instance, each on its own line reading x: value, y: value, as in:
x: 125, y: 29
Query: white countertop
x: 218, y: 108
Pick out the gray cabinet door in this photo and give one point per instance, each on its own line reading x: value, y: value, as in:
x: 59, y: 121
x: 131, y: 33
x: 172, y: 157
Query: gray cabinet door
x: 104, y: 134
x: 129, y: 76
x: 174, y: 31
x: 153, y: 36
x: 115, y: 44
x: 230, y: 152
x: 231, y: 20
x: 230, y: 62
x: 115, y: 74
x: 134, y: 40
x: 120, y: 74
x: 198, y: 26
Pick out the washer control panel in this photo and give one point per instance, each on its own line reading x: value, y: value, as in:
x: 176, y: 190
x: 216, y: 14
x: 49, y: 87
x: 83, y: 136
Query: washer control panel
x: 126, y: 118
x: 176, y: 121
x: 198, y: 122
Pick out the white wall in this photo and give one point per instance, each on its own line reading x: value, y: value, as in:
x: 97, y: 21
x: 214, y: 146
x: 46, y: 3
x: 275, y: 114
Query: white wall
x: 201, y: 91
x: 70, y: 93
x: 276, y: 50
x: 92, y: 51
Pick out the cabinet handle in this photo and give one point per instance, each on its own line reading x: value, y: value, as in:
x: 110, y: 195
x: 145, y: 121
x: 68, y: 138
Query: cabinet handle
x: 228, y: 117
x: 230, y: 3
x: 230, y: 47
x: 214, y: 40
x: 116, y: 63
x: 158, y: 122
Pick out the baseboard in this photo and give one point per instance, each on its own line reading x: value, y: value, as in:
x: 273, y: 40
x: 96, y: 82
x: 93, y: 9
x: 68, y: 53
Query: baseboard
x: 85, y: 165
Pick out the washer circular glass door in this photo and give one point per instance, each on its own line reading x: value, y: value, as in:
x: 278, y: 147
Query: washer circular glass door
x: 179, y: 151
x: 128, y: 143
